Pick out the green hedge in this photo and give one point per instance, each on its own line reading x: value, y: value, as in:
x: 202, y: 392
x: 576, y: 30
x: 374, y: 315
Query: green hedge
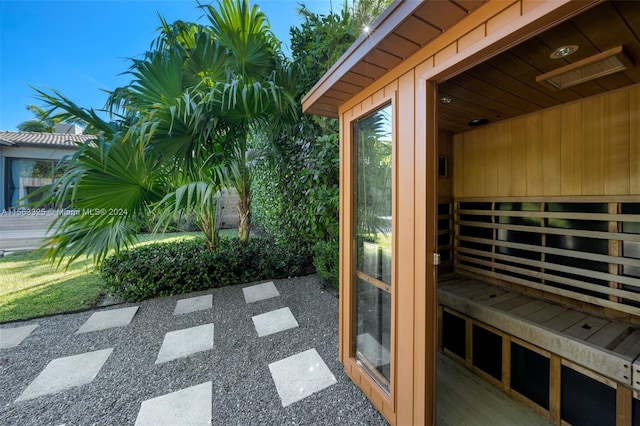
x: 326, y: 262
x: 184, y: 266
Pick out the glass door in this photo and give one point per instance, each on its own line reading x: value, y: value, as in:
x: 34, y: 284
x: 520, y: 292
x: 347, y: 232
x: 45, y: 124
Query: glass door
x: 372, y: 135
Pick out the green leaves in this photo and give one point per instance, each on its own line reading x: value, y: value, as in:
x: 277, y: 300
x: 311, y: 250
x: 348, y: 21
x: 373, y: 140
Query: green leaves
x: 185, y: 266
x: 108, y: 187
x: 198, y: 200
x: 244, y: 30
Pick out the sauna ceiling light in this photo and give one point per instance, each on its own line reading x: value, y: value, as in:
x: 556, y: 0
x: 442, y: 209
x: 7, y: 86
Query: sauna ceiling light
x: 445, y: 100
x: 563, y: 51
x: 478, y: 122
x: 596, y: 66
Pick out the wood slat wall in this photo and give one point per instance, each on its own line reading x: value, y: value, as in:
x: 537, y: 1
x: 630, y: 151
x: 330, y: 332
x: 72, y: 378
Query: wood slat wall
x: 589, y: 147
x: 560, y: 248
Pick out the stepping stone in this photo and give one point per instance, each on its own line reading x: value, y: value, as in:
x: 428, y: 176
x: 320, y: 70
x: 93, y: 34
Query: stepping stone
x: 66, y: 373
x: 103, y: 320
x: 377, y: 354
x: 300, y: 375
x: 190, y: 406
x: 12, y: 337
x: 274, y: 322
x: 182, y: 343
x: 259, y: 292
x: 193, y: 304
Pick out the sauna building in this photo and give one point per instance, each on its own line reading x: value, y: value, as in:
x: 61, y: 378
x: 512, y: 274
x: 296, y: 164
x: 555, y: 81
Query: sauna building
x: 490, y: 204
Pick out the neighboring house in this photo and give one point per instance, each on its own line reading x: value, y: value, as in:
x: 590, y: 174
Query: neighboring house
x: 29, y: 160
x: 502, y: 137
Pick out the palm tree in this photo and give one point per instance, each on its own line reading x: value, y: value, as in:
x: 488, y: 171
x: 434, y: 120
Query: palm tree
x: 183, y: 124
x: 259, y: 87
x: 40, y: 124
x: 208, y: 88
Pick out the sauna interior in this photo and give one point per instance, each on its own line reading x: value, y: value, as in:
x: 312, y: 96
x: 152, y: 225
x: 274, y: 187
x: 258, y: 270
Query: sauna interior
x: 539, y: 221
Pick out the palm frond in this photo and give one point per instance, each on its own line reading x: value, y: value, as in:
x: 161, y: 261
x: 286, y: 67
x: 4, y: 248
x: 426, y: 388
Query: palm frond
x: 110, y: 186
x: 60, y: 107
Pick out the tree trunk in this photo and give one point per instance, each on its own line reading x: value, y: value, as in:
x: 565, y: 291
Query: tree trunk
x: 244, y: 217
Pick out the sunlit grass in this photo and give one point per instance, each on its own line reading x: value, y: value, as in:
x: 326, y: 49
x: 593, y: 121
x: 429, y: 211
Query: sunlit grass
x: 30, y: 286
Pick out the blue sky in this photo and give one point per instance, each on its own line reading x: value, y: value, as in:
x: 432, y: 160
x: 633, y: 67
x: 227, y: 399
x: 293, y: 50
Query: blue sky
x: 81, y: 47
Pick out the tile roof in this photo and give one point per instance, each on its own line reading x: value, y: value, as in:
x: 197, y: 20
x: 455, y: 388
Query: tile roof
x: 42, y: 139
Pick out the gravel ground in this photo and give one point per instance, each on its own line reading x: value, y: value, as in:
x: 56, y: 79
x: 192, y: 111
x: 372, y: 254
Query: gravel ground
x: 243, y: 390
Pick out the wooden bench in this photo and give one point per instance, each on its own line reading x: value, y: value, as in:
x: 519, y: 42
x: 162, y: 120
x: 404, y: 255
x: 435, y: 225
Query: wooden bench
x: 601, y: 348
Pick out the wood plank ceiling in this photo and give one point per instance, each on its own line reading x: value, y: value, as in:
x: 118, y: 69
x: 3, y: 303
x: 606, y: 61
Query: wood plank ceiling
x: 505, y: 86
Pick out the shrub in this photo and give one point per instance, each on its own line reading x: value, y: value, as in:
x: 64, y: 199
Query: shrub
x: 179, y: 267
x: 326, y: 262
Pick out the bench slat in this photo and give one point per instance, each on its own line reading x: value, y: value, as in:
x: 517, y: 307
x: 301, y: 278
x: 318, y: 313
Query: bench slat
x: 599, y: 344
x: 529, y: 308
x: 610, y: 335
x: 565, y: 320
x: 586, y: 328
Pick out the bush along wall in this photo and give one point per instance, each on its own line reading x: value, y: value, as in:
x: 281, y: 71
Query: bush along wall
x: 326, y: 261
x: 165, y: 269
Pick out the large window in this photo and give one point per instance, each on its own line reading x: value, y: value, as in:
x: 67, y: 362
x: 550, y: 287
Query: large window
x: 372, y: 136
x: 24, y: 176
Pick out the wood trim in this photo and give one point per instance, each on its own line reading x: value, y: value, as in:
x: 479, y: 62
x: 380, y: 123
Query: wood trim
x: 554, y: 215
x: 555, y: 388
x: 374, y: 281
x: 591, y: 374
x: 506, y: 362
x: 555, y: 267
x: 624, y: 406
x: 551, y: 250
x: 554, y: 231
x: 385, y: 403
x: 556, y: 199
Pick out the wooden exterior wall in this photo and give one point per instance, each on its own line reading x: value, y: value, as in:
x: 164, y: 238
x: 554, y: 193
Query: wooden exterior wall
x: 586, y: 148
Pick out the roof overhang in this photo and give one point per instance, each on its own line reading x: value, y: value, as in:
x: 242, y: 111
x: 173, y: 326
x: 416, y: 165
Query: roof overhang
x: 402, y: 29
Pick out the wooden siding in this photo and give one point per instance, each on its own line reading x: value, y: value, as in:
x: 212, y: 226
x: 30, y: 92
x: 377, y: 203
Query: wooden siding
x: 586, y: 148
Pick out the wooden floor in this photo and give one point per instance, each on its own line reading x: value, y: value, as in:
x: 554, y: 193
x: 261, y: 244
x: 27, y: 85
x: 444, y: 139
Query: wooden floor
x: 464, y: 399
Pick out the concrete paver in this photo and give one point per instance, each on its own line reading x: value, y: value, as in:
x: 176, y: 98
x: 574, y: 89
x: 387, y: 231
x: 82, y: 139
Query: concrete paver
x: 300, y: 376
x: 12, y: 337
x: 103, y: 320
x: 182, y: 343
x: 66, y: 373
x: 274, y: 322
x: 190, y: 406
x: 193, y: 304
x: 260, y: 292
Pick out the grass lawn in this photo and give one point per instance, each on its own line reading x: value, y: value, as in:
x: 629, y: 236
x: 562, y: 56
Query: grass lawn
x: 31, y: 287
